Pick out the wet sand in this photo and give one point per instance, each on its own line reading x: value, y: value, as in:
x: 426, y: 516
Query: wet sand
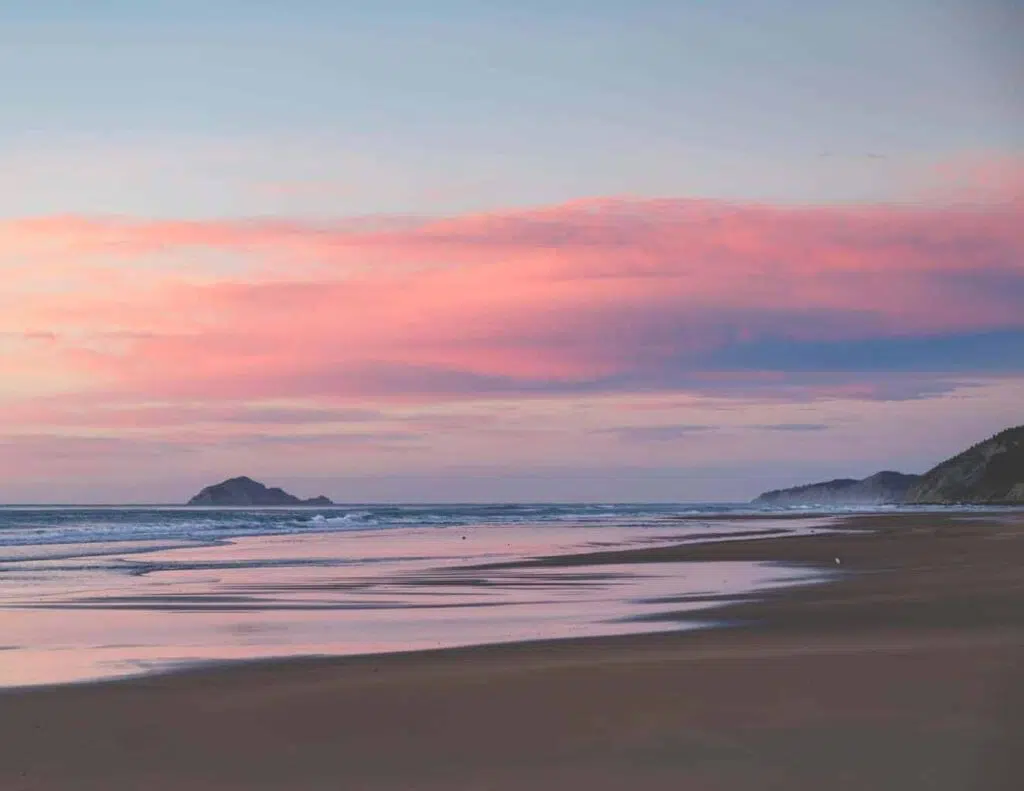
x: 905, y: 673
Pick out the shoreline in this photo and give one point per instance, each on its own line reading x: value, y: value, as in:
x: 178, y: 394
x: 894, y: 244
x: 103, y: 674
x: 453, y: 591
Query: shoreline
x: 766, y: 608
x: 905, y: 671
x: 311, y: 604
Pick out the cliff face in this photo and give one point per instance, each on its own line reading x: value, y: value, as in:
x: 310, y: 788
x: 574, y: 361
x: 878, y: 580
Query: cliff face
x: 990, y: 472
x: 882, y: 488
x: 246, y: 491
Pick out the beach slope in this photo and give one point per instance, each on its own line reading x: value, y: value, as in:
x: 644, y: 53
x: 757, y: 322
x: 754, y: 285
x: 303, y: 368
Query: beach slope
x: 906, y: 673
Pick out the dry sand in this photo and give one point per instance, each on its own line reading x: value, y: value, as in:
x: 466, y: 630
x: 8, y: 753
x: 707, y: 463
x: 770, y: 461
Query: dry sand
x: 906, y: 673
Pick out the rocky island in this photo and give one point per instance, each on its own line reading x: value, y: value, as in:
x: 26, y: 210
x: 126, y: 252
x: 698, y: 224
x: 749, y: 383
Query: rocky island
x: 990, y: 473
x: 246, y: 491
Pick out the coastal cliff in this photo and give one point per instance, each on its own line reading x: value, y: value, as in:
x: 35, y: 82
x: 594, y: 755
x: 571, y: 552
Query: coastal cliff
x: 882, y: 488
x: 990, y: 472
x: 246, y: 491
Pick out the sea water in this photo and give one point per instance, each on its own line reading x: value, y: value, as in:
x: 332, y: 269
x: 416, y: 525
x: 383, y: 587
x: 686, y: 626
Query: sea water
x: 100, y: 592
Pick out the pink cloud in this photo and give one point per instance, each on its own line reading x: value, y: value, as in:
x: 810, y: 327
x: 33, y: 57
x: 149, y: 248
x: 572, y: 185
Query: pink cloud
x: 587, y: 296
x: 72, y: 412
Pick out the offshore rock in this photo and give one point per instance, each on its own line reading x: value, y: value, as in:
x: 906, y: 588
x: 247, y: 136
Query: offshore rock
x: 246, y: 491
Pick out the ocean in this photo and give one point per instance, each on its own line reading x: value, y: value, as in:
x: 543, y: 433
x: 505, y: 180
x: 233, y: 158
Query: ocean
x: 96, y: 592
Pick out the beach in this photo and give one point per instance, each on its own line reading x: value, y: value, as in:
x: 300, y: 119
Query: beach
x: 905, y: 671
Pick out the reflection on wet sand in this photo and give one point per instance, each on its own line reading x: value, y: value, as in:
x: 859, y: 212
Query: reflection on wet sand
x: 127, y: 612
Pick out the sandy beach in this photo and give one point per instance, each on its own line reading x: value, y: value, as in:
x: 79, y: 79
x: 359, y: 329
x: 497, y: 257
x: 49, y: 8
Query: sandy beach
x: 905, y: 673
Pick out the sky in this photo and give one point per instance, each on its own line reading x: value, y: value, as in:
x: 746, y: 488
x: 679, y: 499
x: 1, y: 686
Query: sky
x: 496, y: 251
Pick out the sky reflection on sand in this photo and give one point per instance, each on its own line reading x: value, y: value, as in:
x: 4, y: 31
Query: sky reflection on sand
x: 103, y: 616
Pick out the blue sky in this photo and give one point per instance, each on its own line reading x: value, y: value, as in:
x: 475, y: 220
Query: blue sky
x: 568, y: 248
x: 467, y: 106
